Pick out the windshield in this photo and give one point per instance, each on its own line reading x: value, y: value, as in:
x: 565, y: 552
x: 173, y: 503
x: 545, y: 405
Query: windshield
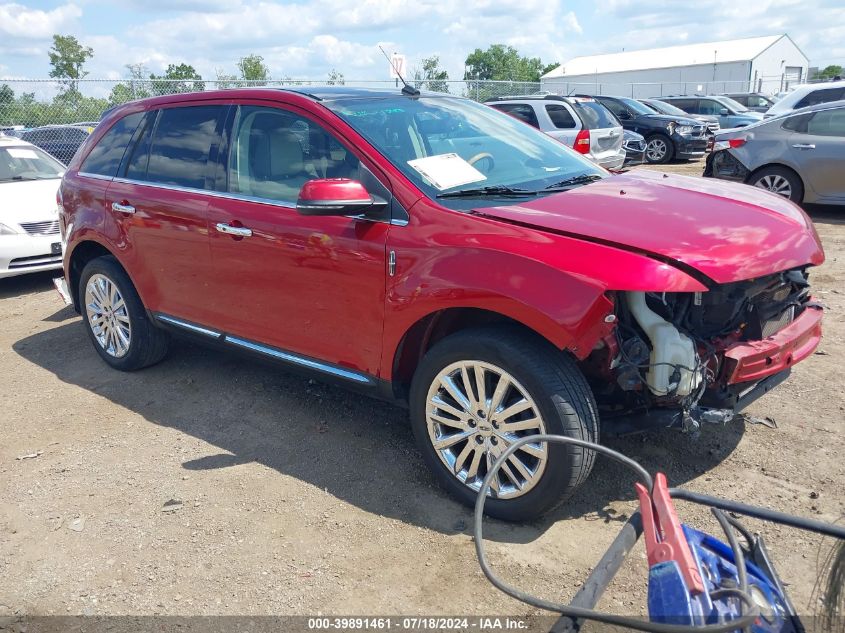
x: 27, y: 163
x: 636, y: 106
x: 447, y: 145
x: 666, y: 108
x: 736, y: 106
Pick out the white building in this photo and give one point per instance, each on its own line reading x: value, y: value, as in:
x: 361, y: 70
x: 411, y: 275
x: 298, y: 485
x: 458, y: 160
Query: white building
x: 765, y: 64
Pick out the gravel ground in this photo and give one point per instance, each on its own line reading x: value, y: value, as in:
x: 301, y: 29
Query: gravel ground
x: 215, y: 485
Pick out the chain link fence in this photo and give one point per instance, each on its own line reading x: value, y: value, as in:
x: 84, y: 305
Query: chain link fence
x: 58, y: 115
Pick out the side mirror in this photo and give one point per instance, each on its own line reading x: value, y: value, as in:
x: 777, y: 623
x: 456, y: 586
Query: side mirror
x: 724, y: 112
x: 337, y: 196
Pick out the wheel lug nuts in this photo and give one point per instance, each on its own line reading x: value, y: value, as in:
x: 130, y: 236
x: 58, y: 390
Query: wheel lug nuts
x: 481, y: 414
x: 493, y: 440
x: 472, y: 424
x: 479, y: 439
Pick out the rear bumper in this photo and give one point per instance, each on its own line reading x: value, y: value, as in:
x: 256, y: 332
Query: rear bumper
x: 751, y: 361
x: 725, y: 166
x: 611, y: 162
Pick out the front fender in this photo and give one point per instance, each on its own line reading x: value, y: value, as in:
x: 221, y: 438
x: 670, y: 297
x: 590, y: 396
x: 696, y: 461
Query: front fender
x: 555, y: 285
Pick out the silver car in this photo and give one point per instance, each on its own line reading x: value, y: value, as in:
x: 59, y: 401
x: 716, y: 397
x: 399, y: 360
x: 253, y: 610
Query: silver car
x: 800, y: 155
x: 582, y: 123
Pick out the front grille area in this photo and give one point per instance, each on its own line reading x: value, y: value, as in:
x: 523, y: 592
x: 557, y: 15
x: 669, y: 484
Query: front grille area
x: 48, y: 227
x: 713, y: 126
x: 777, y: 324
x: 35, y: 260
x: 634, y: 146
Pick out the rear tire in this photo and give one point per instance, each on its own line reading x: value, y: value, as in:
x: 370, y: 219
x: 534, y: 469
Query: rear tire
x: 659, y: 149
x: 115, y: 318
x: 779, y: 180
x: 546, y: 393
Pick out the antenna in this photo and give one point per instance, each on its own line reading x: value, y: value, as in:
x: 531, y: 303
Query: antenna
x: 406, y: 89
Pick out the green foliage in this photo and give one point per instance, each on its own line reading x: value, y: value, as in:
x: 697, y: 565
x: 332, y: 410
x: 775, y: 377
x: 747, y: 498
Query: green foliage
x: 335, y: 78
x: 431, y: 76
x: 549, y: 68
x: 177, y: 78
x: 66, y: 107
x: 828, y: 72
x: 67, y: 57
x: 135, y: 88
x: 7, y: 95
x: 253, y: 68
x: 502, y: 63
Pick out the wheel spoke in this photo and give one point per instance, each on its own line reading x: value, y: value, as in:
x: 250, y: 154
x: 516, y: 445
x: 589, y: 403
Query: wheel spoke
x: 523, y: 425
x: 462, y: 456
x: 481, y: 387
x: 444, y: 406
x: 510, y: 475
x: 455, y: 424
x: 472, y: 471
x: 450, y: 440
x: 517, y: 407
x: 473, y: 402
x: 520, y: 466
x: 534, y: 451
x: 450, y: 386
x: 499, y: 393
x: 494, y: 483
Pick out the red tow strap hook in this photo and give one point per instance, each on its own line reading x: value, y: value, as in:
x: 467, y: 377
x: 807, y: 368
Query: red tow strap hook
x: 664, y: 537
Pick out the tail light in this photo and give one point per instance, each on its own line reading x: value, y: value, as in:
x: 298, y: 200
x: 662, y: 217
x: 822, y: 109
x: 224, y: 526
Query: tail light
x: 736, y: 142
x: 582, y: 142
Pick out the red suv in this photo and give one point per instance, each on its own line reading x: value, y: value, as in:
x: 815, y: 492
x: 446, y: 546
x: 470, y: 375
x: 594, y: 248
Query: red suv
x: 435, y: 252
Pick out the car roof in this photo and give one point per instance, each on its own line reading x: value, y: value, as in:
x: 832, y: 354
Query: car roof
x: 13, y: 141
x: 572, y: 100
x: 829, y: 105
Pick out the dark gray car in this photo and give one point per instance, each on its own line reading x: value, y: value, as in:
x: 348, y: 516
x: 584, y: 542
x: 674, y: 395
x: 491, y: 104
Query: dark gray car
x: 800, y: 155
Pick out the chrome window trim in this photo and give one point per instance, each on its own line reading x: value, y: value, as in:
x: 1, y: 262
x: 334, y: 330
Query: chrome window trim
x: 87, y: 174
x: 188, y: 326
x: 295, y: 359
x: 236, y: 196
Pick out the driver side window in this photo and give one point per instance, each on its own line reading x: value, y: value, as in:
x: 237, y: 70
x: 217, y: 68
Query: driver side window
x: 274, y: 152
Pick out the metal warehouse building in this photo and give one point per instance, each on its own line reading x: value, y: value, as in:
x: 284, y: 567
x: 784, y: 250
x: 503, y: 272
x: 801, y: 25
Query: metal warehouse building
x: 765, y: 64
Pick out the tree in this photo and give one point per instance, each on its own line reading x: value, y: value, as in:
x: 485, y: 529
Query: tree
x: 828, y: 73
x: 181, y: 78
x: 549, y: 68
x: 67, y: 57
x: 225, y: 80
x: 135, y: 88
x: 253, y: 68
x: 431, y: 76
x: 502, y: 63
x: 335, y: 78
x: 7, y: 95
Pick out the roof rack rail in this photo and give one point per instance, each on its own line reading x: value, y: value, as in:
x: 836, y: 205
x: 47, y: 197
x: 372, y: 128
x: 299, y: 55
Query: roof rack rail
x: 538, y: 97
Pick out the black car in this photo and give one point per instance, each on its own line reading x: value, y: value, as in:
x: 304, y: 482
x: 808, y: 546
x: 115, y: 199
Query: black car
x: 61, y: 141
x: 667, y: 136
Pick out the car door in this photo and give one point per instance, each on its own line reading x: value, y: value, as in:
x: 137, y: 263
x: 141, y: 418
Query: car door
x: 818, y: 149
x: 159, y: 204
x: 308, y: 285
x: 564, y: 125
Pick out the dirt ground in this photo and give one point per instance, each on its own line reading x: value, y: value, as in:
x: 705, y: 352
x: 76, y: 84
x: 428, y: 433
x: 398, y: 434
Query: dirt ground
x: 214, y: 485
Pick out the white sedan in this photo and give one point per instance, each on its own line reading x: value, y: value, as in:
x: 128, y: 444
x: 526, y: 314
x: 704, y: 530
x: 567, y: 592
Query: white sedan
x: 29, y: 219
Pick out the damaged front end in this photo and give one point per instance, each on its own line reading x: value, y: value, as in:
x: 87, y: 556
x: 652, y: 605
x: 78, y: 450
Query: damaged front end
x: 680, y: 359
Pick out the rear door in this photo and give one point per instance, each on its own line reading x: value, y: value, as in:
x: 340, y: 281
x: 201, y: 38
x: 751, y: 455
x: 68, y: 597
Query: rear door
x: 564, y: 124
x: 818, y: 149
x: 159, y: 203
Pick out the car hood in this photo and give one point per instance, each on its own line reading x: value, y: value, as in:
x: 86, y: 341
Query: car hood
x: 29, y: 201
x: 725, y: 231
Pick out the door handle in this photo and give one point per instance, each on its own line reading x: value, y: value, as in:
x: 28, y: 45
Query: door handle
x: 122, y: 208
x: 804, y: 146
x: 239, y: 231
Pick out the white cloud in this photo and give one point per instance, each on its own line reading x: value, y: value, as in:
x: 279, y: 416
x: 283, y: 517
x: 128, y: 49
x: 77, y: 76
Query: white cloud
x: 18, y: 21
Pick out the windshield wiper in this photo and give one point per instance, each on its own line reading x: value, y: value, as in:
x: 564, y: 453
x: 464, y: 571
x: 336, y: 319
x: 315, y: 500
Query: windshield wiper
x: 566, y: 183
x: 497, y: 190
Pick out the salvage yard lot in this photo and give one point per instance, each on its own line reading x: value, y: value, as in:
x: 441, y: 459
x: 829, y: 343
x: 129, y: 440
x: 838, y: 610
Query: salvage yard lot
x: 210, y: 484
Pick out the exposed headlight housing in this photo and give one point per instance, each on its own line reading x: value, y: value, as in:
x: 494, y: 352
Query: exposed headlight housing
x: 684, y: 130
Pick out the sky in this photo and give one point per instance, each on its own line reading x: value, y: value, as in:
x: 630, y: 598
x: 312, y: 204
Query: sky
x: 308, y: 38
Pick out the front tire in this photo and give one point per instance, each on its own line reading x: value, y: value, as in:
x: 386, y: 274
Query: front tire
x: 115, y: 318
x: 478, y: 390
x: 659, y: 149
x: 781, y: 181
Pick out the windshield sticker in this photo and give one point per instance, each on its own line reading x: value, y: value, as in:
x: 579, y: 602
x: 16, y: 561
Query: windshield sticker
x: 21, y: 152
x: 445, y: 171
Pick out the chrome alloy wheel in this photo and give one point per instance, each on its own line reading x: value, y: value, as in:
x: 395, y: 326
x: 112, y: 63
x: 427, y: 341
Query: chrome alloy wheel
x: 474, y: 411
x: 108, y: 315
x: 775, y: 183
x: 656, y: 150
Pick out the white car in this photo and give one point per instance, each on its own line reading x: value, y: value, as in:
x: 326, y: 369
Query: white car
x: 29, y: 220
x: 807, y: 95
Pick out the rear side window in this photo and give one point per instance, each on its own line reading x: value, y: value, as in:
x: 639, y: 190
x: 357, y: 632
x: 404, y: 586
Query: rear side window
x: 595, y: 116
x: 181, y: 144
x: 821, y: 96
x: 687, y: 105
x: 797, y: 123
x: 560, y: 116
x: 521, y: 111
x: 828, y: 123
x: 709, y: 106
x: 105, y: 158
